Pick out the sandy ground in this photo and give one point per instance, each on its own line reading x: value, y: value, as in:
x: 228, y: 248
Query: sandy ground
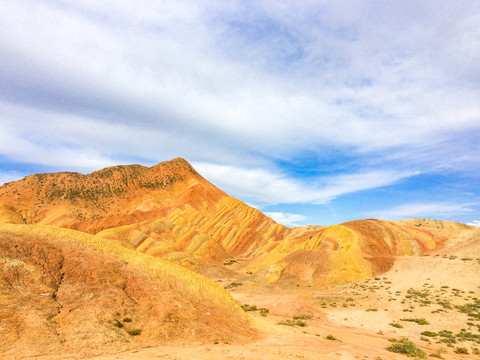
x: 358, y: 315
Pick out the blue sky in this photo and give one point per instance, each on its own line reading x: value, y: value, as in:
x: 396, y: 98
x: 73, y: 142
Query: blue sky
x: 315, y: 113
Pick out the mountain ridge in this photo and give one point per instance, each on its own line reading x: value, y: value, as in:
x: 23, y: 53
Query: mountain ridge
x: 169, y: 210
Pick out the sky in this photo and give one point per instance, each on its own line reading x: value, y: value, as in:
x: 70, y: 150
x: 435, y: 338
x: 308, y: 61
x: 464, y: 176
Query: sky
x: 315, y: 112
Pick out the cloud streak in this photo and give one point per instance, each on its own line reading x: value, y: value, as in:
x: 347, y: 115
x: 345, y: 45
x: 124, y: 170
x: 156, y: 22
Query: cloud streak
x: 268, y: 187
x: 287, y: 219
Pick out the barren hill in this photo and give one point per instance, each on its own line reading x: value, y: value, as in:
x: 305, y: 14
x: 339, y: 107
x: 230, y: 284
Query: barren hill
x: 171, y: 211
x: 64, y: 291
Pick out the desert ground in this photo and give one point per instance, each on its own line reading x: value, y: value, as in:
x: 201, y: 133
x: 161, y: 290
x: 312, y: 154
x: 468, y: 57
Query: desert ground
x: 353, y: 321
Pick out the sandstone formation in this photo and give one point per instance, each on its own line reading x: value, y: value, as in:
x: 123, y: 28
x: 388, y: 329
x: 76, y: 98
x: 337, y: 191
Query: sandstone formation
x: 171, y: 211
x: 63, y: 291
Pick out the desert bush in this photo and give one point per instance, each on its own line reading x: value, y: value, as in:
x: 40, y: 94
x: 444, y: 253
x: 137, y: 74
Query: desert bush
x: 247, y: 307
x: 233, y: 285
x: 127, y: 320
x: 330, y: 337
x: 289, y: 322
x: 460, y: 350
x: 406, y: 347
x: 303, y: 317
x: 420, y: 321
x: 134, y: 332
x: 468, y: 336
x: 429, y: 333
x: 118, y: 324
x: 396, y: 325
x: 264, y: 311
x: 438, y: 353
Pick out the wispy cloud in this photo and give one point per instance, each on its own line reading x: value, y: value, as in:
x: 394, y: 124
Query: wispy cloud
x: 423, y: 210
x: 268, y: 187
x: 474, y: 223
x: 287, y: 219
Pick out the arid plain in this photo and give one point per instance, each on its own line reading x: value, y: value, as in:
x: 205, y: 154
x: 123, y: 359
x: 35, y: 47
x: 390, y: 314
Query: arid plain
x: 131, y: 262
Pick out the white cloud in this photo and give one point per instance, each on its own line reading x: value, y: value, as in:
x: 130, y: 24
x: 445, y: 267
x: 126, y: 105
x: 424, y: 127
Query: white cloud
x: 474, y: 223
x: 390, y: 87
x: 287, y: 219
x: 268, y: 80
x: 268, y: 187
x: 423, y: 210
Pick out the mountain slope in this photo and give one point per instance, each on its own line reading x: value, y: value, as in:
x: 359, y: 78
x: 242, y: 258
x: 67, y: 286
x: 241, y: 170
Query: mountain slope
x: 171, y: 211
x: 65, y: 291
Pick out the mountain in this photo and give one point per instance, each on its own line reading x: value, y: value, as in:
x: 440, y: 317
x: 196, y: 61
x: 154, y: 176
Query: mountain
x: 133, y: 257
x: 171, y: 211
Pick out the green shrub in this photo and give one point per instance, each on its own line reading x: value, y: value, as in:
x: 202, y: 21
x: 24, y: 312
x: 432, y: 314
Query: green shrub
x: 396, y: 325
x: 233, y: 285
x: 406, y: 347
x: 303, y: 317
x: 127, y: 320
x: 330, y: 337
x: 247, y: 307
x: 264, y: 311
x: 468, y: 336
x: 460, y: 350
x: 289, y: 322
x: 420, y: 321
x: 429, y: 333
x: 118, y: 324
x: 134, y: 332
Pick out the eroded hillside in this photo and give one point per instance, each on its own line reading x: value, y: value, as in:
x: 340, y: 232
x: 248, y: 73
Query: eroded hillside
x: 65, y: 291
x: 170, y: 211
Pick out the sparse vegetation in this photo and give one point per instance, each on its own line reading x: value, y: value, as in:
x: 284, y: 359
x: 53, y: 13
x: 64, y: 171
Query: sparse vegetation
x: 396, y: 325
x: 134, y: 332
x: 438, y: 353
x: 406, y: 347
x: 330, y: 337
x: 290, y: 322
x: 420, y: 321
x: 247, y: 307
x: 127, y: 320
x: 118, y: 324
x: 460, y: 350
x: 429, y: 333
x: 263, y: 311
x: 233, y: 285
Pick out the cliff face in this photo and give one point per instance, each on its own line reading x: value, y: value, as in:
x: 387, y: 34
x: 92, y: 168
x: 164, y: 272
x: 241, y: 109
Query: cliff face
x: 169, y: 210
